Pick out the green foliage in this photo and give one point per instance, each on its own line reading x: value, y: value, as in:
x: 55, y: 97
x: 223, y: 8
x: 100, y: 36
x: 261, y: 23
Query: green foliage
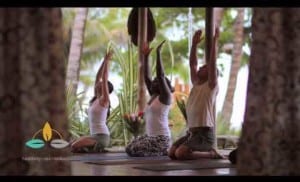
x: 179, y: 58
x: 86, y: 79
x: 102, y: 25
x: 116, y: 128
x: 223, y: 128
x: 177, y: 18
x: 68, y: 20
x: 177, y: 116
x: 177, y: 122
x: 127, y: 62
x: 135, y: 123
x: 76, y: 116
x: 244, y: 60
x: 221, y: 69
x: 182, y: 107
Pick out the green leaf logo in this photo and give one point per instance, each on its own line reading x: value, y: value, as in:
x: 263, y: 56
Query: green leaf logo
x: 35, y: 143
x: 59, y: 143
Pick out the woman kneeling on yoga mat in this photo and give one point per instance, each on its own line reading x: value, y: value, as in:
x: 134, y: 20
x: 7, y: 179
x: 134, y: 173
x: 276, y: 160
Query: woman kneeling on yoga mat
x: 158, y: 136
x: 98, y: 113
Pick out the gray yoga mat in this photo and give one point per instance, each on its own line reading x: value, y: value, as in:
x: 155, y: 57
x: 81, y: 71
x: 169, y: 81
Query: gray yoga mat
x: 106, y: 159
x: 97, y: 157
x: 131, y: 160
x: 207, y: 164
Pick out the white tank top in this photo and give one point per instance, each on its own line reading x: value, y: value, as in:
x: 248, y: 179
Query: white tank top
x: 97, y: 118
x: 200, y: 107
x: 156, y: 118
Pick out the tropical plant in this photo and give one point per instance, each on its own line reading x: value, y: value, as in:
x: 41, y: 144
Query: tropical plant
x: 135, y: 123
x: 237, y: 54
x: 177, y: 116
x: 127, y: 96
x: 177, y: 122
x: 224, y: 128
x: 73, y: 68
x: 77, y: 117
x: 182, y: 107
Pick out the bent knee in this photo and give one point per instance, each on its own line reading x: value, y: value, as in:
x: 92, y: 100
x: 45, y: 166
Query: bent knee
x: 171, y: 152
x: 83, y: 142
x: 182, y: 153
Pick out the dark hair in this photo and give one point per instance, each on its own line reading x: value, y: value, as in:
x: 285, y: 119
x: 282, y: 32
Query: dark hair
x: 168, y: 83
x: 110, y: 87
x: 110, y: 90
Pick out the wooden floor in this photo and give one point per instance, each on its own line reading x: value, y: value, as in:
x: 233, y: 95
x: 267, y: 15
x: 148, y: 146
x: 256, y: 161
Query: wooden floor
x: 114, y: 168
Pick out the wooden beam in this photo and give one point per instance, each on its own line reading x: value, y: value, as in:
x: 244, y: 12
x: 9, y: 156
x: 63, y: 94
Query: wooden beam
x: 142, y: 37
x: 209, y: 29
x: 209, y: 32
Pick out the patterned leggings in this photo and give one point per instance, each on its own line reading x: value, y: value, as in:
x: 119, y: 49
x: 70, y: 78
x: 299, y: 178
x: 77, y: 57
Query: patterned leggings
x: 144, y: 146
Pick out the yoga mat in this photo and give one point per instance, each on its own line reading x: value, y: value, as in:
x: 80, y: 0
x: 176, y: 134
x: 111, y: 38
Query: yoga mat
x: 209, y: 164
x: 114, y: 158
x: 97, y: 157
x: 130, y: 160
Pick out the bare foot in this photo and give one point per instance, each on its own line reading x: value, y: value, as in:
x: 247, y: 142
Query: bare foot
x: 215, y: 155
x: 85, y: 141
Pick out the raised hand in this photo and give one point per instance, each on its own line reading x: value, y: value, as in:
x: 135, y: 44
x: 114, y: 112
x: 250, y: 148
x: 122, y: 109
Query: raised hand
x: 160, y: 45
x: 197, y: 37
x: 108, y: 55
x: 146, y: 49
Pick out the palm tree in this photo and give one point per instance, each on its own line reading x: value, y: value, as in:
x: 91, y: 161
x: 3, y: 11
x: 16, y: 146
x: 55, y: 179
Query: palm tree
x: 235, y: 65
x: 68, y: 20
x: 142, y: 37
x: 73, y: 67
x: 219, y: 12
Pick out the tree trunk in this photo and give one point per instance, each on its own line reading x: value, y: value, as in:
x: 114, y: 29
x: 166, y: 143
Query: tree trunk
x: 218, y: 15
x: 142, y: 37
x: 209, y: 31
x: 75, y: 52
x: 235, y: 66
x: 31, y: 57
x: 270, y: 138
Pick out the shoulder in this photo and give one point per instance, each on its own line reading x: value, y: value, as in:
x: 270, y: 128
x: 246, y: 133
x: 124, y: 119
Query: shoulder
x: 214, y: 88
x: 213, y: 84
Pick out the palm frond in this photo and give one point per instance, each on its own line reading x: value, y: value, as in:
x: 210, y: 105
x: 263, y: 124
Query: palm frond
x: 76, y: 115
x: 181, y: 103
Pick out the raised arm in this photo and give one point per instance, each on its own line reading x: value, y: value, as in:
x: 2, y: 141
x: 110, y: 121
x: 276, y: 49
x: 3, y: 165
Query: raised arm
x: 212, y: 67
x: 146, y: 51
x: 193, y: 56
x: 104, y: 98
x: 165, y: 92
x: 99, y: 74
